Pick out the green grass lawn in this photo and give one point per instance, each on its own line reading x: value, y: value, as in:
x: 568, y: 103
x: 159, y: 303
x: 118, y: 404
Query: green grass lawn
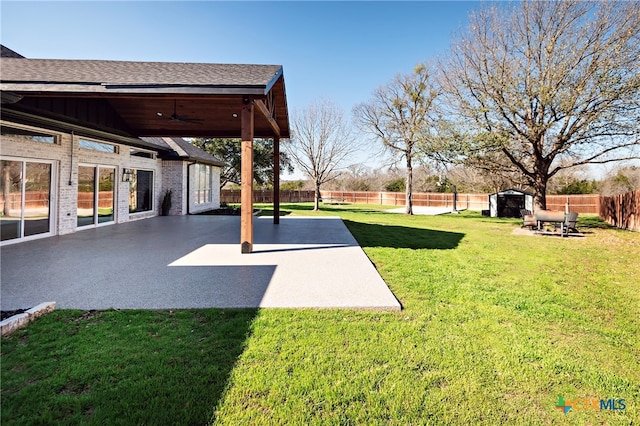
x: 495, y: 327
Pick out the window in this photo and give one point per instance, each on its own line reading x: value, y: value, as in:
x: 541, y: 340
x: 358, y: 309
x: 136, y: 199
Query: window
x: 135, y: 152
x: 97, y: 146
x: 25, y: 194
x: 141, y: 191
x: 96, y: 195
x: 27, y: 134
x: 203, y: 176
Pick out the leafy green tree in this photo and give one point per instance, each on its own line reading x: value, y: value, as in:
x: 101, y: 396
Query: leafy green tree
x: 580, y: 186
x: 396, y: 185
x: 293, y: 185
x: 228, y: 150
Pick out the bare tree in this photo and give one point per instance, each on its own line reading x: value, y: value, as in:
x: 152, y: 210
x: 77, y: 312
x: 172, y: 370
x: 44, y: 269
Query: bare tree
x: 320, y: 143
x: 620, y: 180
x: 398, y: 116
x: 552, y: 85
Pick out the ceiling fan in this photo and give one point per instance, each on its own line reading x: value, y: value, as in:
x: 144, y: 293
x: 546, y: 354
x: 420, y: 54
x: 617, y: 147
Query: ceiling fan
x: 183, y: 119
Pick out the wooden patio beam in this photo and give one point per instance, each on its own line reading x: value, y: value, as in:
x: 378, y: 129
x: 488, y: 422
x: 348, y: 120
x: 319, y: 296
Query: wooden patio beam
x: 260, y: 106
x: 246, y: 172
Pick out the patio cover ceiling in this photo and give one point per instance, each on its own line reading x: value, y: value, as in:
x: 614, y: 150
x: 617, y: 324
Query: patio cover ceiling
x: 142, y: 97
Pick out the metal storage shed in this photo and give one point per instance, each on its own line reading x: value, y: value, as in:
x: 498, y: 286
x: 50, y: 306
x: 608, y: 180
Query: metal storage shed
x: 509, y: 202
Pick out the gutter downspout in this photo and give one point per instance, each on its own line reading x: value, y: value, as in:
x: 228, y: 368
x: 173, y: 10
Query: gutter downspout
x: 189, y: 186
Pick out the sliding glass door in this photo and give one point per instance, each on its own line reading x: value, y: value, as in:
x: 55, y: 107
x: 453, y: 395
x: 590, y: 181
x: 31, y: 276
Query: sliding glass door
x: 25, y: 199
x: 96, y: 195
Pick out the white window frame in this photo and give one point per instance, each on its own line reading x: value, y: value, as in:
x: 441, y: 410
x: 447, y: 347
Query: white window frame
x: 53, y: 199
x: 57, y: 137
x: 203, y: 192
x: 135, y: 170
x: 116, y: 148
x: 150, y: 154
x: 97, y: 168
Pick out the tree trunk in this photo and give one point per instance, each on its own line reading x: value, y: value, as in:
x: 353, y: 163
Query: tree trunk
x: 540, y: 192
x: 409, y: 187
x: 316, y: 198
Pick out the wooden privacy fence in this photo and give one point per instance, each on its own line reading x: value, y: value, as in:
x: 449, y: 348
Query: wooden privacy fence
x: 423, y: 199
x: 232, y: 196
x: 464, y: 201
x: 622, y: 210
x: 587, y: 203
x: 32, y: 200
x: 40, y: 199
x: 577, y: 203
x: 86, y: 200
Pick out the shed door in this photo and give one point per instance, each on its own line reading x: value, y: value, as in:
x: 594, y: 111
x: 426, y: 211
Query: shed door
x: 493, y: 205
x: 510, y: 205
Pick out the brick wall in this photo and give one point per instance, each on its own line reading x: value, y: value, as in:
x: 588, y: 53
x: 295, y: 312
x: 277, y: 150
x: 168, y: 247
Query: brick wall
x: 173, y: 178
x: 65, y: 157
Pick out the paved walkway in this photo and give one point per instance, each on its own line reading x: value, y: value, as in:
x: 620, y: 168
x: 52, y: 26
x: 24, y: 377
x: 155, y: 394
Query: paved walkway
x: 195, y: 262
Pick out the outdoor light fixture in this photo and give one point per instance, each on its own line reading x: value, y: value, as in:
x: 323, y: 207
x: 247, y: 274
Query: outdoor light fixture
x: 234, y: 115
x: 126, y: 175
x: 159, y: 113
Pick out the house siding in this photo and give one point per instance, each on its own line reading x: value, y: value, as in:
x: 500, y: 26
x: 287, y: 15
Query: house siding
x: 173, y: 178
x: 179, y: 177
x: 66, y: 157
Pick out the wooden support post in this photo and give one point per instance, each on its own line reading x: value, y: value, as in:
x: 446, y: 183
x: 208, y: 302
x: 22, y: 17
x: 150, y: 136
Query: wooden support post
x: 246, y: 160
x: 276, y: 180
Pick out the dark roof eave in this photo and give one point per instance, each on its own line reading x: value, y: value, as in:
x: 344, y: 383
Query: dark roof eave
x: 133, y: 89
x: 513, y: 190
x: 22, y: 117
x: 173, y: 155
x: 273, y: 80
x: 209, y: 162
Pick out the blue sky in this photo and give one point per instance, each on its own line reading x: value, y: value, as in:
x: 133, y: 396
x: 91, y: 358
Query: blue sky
x: 339, y: 51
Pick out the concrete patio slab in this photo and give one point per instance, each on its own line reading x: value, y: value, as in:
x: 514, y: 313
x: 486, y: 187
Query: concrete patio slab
x: 195, y: 262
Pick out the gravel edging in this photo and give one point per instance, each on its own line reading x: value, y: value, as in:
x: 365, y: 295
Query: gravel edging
x: 18, y: 321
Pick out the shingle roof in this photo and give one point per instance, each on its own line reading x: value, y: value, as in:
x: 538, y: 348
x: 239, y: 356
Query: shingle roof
x: 136, y: 73
x: 5, y: 52
x: 189, y: 151
x: 138, y: 91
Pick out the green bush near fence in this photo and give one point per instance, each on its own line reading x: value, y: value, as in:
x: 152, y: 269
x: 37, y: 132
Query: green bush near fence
x: 495, y: 328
